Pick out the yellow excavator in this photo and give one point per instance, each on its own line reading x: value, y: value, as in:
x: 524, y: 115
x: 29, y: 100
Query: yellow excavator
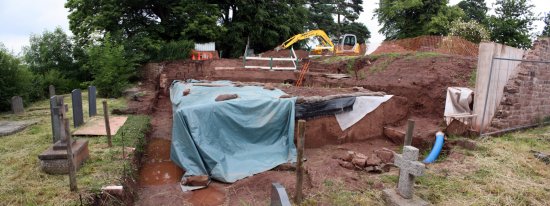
x: 347, y: 43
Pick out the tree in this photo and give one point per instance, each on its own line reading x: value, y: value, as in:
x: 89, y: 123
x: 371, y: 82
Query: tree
x: 546, y: 30
x: 359, y: 29
x: 141, y: 26
x: 512, y: 23
x: 110, y: 68
x: 411, y: 18
x: 471, y: 31
x: 475, y: 10
x: 49, y: 51
x: 345, y: 11
x: 15, y: 80
x: 265, y: 24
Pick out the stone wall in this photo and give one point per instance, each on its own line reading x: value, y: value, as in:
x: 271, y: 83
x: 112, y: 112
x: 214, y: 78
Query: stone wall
x: 526, y: 98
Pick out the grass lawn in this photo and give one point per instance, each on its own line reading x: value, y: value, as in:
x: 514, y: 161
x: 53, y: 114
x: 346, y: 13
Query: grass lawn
x: 501, y: 171
x: 23, y: 183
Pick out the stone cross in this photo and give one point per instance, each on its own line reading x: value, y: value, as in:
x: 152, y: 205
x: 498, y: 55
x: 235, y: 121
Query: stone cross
x: 409, y: 168
x: 17, y: 105
x: 92, y: 105
x: 279, y: 196
x: 78, y: 115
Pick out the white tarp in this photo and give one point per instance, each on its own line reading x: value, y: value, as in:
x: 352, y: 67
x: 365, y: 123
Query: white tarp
x: 362, y: 106
x: 458, y: 102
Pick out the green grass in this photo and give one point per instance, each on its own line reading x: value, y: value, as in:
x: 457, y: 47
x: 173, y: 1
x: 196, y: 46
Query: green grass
x: 23, y: 183
x: 336, y: 59
x: 501, y: 171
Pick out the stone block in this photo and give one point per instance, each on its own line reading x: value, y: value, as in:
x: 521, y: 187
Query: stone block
x: 78, y: 115
x: 55, y: 161
x: 392, y: 198
x: 92, y: 103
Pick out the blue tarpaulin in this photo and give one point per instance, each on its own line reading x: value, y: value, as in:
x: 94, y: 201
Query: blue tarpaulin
x: 233, y: 139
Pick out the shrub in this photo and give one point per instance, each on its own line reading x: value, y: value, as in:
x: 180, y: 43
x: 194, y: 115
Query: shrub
x: 15, y: 80
x: 110, y: 68
x: 471, y: 31
x: 175, y: 50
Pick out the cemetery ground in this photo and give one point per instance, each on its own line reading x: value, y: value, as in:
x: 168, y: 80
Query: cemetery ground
x: 500, y: 171
x: 23, y: 183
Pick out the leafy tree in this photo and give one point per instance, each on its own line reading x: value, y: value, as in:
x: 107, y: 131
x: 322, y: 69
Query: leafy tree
x: 411, y: 18
x: 546, y: 30
x: 345, y: 11
x: 512, y: 23
x: 264, y: 23
x: 15, y: 80
x: 142, y: 26
x: 471, y: 31
x: 52, y: 50
x: 110, y: 68
x: 475, y: 10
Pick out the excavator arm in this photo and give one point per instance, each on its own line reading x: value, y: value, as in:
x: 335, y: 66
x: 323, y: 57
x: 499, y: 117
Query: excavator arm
x: 325, y: 40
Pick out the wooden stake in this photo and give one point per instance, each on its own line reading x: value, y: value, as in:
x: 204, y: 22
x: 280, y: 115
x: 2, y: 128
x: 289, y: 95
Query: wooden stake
x: 409, y: 135
x: 300, y: 159
x: 70, y: 162
x: 107, y: 125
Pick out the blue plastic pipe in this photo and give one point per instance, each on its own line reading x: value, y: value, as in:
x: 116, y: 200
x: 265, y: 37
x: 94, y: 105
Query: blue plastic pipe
x: 436, y: 149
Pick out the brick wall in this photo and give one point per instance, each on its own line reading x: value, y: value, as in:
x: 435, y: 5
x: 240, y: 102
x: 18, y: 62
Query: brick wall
x: 526, y: 98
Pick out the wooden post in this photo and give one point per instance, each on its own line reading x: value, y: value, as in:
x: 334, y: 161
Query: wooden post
x: 123, y: 149
x: 70, y: 161
x: 409, y: 135
x: 107, y: 125
x: 300, y: 158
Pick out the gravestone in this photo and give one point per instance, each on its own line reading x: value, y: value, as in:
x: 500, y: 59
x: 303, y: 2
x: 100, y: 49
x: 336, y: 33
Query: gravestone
x: 51, y: 89
x: 54, y: 159
x: 279, y: 196
x: 409, y: 168
x: 55, y: 113
x: 92, y: 105
x: 17, y: 105
x: 78, y: 115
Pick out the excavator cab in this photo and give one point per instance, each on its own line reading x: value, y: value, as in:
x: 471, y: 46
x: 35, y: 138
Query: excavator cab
x: 347, y: 44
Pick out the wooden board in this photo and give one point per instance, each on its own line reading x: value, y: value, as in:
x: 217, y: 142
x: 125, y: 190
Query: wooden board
x: 96, y: 126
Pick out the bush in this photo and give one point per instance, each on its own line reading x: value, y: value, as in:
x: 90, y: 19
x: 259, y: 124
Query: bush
x: 471, y: 31
x: 15, y: 80
x: 110, y: 68
x: 175, y: 50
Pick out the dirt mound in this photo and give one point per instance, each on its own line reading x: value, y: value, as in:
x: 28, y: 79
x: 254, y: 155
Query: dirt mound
x: 452, y: 45
x: 421, y: 78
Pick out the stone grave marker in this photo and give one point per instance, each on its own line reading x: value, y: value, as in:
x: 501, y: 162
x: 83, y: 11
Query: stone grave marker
x: 51, y: 89
x: 279, y: 196
x: 54, y: 159
x: 54, y: 111
x: 17, y: 105
x: 78, y: 115
x: 92, y: 105
x: 409, y: 168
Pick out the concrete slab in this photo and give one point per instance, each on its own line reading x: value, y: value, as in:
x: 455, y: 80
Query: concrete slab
x: 96, y: 126
x: 12, y: 127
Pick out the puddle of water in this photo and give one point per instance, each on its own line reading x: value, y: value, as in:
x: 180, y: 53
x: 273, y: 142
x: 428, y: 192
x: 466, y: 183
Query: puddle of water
x: 157, y: 168
x: 159, y: 173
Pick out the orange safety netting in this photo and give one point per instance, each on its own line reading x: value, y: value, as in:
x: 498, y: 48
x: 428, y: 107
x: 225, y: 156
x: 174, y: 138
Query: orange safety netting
x: 453, y: 45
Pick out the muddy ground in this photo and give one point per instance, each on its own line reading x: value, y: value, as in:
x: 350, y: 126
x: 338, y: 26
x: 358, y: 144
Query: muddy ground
x: 422, y: 81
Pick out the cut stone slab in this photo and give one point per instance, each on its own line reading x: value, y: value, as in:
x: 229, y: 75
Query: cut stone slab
x: 12, y: 127
x: 55, y: 161
x: 392, y: 198
x: 96, y: 126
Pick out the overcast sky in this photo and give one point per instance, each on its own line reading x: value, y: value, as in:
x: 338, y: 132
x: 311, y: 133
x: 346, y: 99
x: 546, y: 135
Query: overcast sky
x: 20, y: 18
